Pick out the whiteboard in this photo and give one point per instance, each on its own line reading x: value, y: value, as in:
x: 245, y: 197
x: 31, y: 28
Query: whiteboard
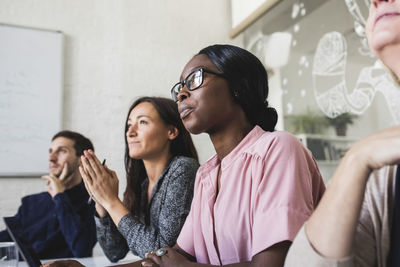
x: 31, y: 81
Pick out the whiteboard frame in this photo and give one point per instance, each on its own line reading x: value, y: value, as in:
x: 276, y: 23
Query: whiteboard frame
x: 35, y: 174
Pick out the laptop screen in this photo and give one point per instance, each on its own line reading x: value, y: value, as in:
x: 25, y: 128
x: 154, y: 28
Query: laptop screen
x: 25, y: 249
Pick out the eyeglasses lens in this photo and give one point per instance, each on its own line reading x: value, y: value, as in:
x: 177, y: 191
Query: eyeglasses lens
x: 192, y: 82
x: 175, y: 91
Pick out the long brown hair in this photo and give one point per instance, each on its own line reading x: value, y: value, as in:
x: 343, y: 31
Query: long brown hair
x: 182, y: 145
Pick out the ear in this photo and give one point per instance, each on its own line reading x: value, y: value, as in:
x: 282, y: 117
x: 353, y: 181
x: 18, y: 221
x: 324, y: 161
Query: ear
x: 172, y: 133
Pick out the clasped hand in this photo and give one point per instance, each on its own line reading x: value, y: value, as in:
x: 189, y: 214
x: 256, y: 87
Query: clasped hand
x: 100, y: 182
x: 168, y: 258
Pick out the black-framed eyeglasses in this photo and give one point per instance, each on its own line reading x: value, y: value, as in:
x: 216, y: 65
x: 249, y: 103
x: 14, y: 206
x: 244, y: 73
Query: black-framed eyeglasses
x: 193, y: 81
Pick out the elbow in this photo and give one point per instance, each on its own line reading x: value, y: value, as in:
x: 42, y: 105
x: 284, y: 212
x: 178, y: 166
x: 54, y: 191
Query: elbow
x: 113, y: 257
x: 82, y: 254
x: 83, y: 251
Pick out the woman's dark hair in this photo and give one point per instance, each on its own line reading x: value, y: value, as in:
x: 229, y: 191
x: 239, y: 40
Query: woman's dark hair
x: 182, y: 145
x: 248, y: 82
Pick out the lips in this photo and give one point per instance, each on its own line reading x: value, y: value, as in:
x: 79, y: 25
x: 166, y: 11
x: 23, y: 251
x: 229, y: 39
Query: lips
x: 184, y: 111
x: 385, y: 15
x: 133, y: 142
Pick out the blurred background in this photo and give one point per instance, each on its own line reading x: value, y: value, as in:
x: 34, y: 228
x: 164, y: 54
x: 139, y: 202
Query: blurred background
x: 326, y: 86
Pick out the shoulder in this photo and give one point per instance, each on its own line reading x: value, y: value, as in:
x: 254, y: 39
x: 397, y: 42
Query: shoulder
x: 182, y: 168
x: 277, y: 137
x: 277, y: 141
x: 34, y: 198
x: 280, y: 154
x: 30, y: 202
x: 181, y: 163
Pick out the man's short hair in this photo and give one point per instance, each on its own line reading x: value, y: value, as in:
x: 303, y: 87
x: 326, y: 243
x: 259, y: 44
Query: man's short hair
x: 81, y: 143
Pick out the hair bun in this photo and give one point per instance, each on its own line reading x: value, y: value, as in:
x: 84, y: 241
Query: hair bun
x: 272, y: 116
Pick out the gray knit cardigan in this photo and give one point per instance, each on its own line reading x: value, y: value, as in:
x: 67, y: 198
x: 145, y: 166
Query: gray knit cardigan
x: 160, y: 224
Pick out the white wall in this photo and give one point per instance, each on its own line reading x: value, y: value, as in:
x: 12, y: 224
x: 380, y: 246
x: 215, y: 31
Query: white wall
x: 116, y: 51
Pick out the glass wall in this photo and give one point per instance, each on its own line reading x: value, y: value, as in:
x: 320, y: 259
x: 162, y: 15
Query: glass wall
x: 320, y: 67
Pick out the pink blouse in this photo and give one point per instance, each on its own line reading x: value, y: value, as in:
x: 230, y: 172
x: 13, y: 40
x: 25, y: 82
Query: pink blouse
x: 270, y: 184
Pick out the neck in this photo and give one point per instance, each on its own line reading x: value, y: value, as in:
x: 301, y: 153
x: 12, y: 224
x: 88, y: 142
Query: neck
x: 225, y: 140
x: 154, y: 167
x: 75, y: 180
x: 389, y: 56
x: 397, y: 74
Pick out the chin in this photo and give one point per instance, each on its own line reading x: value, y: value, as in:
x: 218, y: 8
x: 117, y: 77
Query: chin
x: 55, y: 172
x: 384, y: 38
x: 194, y: 130
x: 135, y: 156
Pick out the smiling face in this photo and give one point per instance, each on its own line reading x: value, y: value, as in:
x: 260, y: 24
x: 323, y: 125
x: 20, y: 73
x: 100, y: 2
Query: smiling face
x: 211, y: 106
x: 62, y: 151
x: 148, y: 136
x: 383, y: 25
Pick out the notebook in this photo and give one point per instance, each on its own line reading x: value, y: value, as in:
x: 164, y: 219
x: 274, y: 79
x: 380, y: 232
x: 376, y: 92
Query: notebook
x: 25, y: 249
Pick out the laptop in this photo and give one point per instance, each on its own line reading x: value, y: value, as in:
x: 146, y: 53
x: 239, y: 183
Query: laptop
x: 25, y: 249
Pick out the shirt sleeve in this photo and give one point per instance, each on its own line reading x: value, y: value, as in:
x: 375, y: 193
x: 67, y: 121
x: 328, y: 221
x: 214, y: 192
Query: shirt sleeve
x: 77, y: 225
x: 110, y: 239
x: 301, y: 253
x: 285, y: 192
x: 372, y: 238
x: 19, y: 218
x: 4, y: 236
x: 142, y: 238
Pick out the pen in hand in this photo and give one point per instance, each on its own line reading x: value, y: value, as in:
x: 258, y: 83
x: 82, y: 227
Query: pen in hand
x: 90, y: 197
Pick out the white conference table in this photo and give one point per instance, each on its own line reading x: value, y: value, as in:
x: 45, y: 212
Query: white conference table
x: 95, y: 261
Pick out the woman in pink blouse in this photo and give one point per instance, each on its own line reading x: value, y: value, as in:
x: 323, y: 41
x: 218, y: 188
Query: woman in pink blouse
x: 252, y: 197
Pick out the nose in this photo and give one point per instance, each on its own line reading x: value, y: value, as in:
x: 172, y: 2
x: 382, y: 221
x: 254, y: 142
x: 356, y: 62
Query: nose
x: 376, y: 3
x: 183, y: 94
x: 52, y: 156
x: 131, y: 130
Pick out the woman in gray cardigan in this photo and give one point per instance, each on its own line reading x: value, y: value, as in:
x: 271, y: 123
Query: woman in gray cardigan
x: 161, y: 164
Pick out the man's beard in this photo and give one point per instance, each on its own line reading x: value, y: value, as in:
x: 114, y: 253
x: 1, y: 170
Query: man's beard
x: 59, y: 170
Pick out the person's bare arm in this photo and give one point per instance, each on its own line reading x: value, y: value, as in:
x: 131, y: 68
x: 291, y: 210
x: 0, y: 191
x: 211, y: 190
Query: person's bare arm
x: 332, y: 226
